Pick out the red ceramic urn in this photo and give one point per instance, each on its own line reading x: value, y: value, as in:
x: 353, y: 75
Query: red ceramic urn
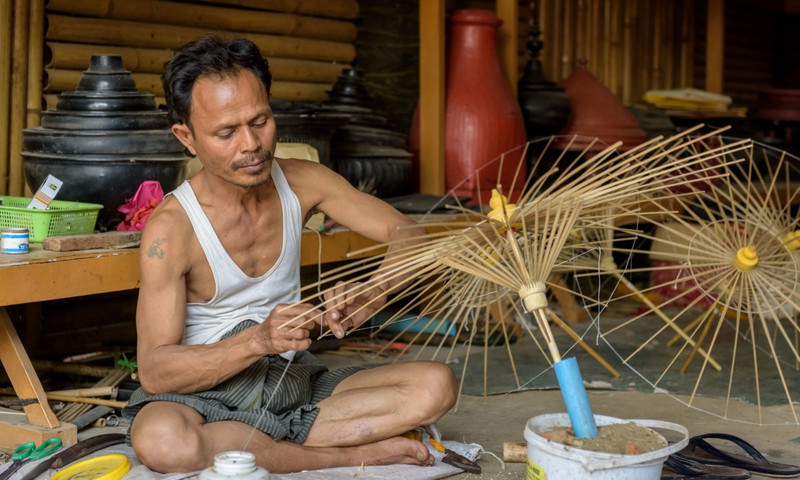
x: 482, y: 118
x: 484, y: 128
x: 597, y: 113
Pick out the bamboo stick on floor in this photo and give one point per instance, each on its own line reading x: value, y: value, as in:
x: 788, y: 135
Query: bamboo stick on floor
x: 108, y: 391
x: 74, y: 410
x: 72, y: 369
x: 84, y: 401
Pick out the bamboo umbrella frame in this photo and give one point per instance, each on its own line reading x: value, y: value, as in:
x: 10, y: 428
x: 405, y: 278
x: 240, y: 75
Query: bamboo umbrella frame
x: 602, y: 260
x: 735, y: 239
x: 588, y: 187
x: 510, y: 253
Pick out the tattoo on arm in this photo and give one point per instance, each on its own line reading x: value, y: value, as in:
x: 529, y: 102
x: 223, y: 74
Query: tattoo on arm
x: 155, y: 250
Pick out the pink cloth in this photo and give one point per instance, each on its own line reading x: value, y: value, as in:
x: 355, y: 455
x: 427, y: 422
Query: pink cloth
x: 138, y: 209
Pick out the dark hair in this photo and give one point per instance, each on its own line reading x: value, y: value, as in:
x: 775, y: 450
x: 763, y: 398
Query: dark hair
x: 208, y: 55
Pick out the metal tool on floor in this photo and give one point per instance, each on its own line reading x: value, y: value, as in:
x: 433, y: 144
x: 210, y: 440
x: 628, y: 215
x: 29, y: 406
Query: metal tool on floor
x: 450, y: 457
x: 29, y: 451
x: 455, y: 459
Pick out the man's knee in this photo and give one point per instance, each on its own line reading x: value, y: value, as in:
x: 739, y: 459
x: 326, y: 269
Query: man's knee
x: 166, y: 441
x: 437, y: 388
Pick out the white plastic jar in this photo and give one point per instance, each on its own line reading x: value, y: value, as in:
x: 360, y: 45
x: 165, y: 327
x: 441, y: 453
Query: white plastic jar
x: 238, y: 465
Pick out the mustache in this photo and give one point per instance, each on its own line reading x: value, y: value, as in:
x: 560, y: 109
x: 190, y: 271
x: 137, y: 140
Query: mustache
x: 252, y: 158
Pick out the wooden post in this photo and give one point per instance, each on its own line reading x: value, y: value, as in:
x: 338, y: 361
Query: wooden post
x: 431, y: 96
x: 6, y: 27
x: 715, y: 45
x: 41, y: 422
x: 508, y: 41
x: 19, y: 86
x: 685, y: 58
x: 35, y: 63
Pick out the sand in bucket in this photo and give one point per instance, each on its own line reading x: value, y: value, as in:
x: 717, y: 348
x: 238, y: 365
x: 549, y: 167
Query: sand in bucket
x: 552, y: 459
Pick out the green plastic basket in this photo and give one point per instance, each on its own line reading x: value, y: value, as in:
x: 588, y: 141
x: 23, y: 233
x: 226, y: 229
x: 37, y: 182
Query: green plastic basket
x: 60, y: 218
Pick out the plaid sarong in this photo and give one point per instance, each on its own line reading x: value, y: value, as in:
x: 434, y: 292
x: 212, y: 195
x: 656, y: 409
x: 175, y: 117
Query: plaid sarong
x: 245, y: 398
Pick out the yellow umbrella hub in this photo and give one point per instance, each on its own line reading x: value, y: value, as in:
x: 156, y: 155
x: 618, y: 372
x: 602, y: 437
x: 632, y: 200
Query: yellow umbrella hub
x: 501, y: 210
x: 792, y: 240
x: 746, y: 258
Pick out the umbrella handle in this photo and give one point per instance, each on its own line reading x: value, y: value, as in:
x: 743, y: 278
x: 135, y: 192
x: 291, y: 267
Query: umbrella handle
x: 575, y: 398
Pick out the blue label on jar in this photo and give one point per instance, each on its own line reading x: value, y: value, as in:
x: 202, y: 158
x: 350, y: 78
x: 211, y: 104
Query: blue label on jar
x: 14, y: 242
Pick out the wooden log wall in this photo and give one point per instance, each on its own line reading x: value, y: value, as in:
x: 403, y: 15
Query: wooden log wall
x: 45, y: 45
x: 749, y: 50
x: 631, y: 46
x: 6, y: 40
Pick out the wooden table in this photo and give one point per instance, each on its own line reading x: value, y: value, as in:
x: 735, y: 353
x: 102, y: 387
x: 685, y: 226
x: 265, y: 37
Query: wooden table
x: 44, y: 275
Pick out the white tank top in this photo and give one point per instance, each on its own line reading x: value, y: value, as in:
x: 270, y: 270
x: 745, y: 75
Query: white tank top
x: 238, y: 296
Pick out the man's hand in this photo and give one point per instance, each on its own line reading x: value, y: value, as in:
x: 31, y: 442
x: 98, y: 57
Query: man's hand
x: 352, y: 302
x: 288, y: 327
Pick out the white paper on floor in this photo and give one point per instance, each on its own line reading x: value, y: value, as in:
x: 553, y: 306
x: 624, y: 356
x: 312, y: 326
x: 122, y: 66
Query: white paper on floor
x: 388, y: 472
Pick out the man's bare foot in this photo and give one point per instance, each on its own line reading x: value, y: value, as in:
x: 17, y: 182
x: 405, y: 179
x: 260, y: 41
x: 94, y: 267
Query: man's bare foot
x: 392, y: 451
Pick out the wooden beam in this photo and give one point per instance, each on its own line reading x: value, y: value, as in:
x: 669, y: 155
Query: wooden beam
x: 40, y: 423
x: 22, y: 375
x: 431, y: 97
x: 508, y: 41
x: 83, y: 273
x: 715, y: 45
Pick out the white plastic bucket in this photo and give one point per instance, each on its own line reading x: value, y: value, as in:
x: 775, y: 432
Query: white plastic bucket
x: 554, y: 460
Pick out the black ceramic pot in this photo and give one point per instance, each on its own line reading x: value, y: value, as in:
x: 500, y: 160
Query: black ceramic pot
x: 72, y: 120
x: 110, y: 142
x: 313, y: 129
x: 115, y: 102
x: 387, y: 169
x: 545, y: 106
x: 103, y: 141
x: 369, y: 135
x: 349, y: 89
x: 107, y: 180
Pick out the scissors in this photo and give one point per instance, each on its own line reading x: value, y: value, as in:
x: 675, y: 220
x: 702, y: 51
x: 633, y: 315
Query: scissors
x: 27, y: 452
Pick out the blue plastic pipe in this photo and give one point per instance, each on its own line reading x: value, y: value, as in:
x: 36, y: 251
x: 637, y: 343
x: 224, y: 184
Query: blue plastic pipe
x: 575, y: 398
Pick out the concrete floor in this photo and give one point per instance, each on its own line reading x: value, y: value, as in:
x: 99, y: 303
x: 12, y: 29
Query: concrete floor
x: 502, y: 418
x: 496, y: 419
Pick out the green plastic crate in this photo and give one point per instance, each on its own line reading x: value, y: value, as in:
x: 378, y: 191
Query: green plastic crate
x: 60, y: 218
